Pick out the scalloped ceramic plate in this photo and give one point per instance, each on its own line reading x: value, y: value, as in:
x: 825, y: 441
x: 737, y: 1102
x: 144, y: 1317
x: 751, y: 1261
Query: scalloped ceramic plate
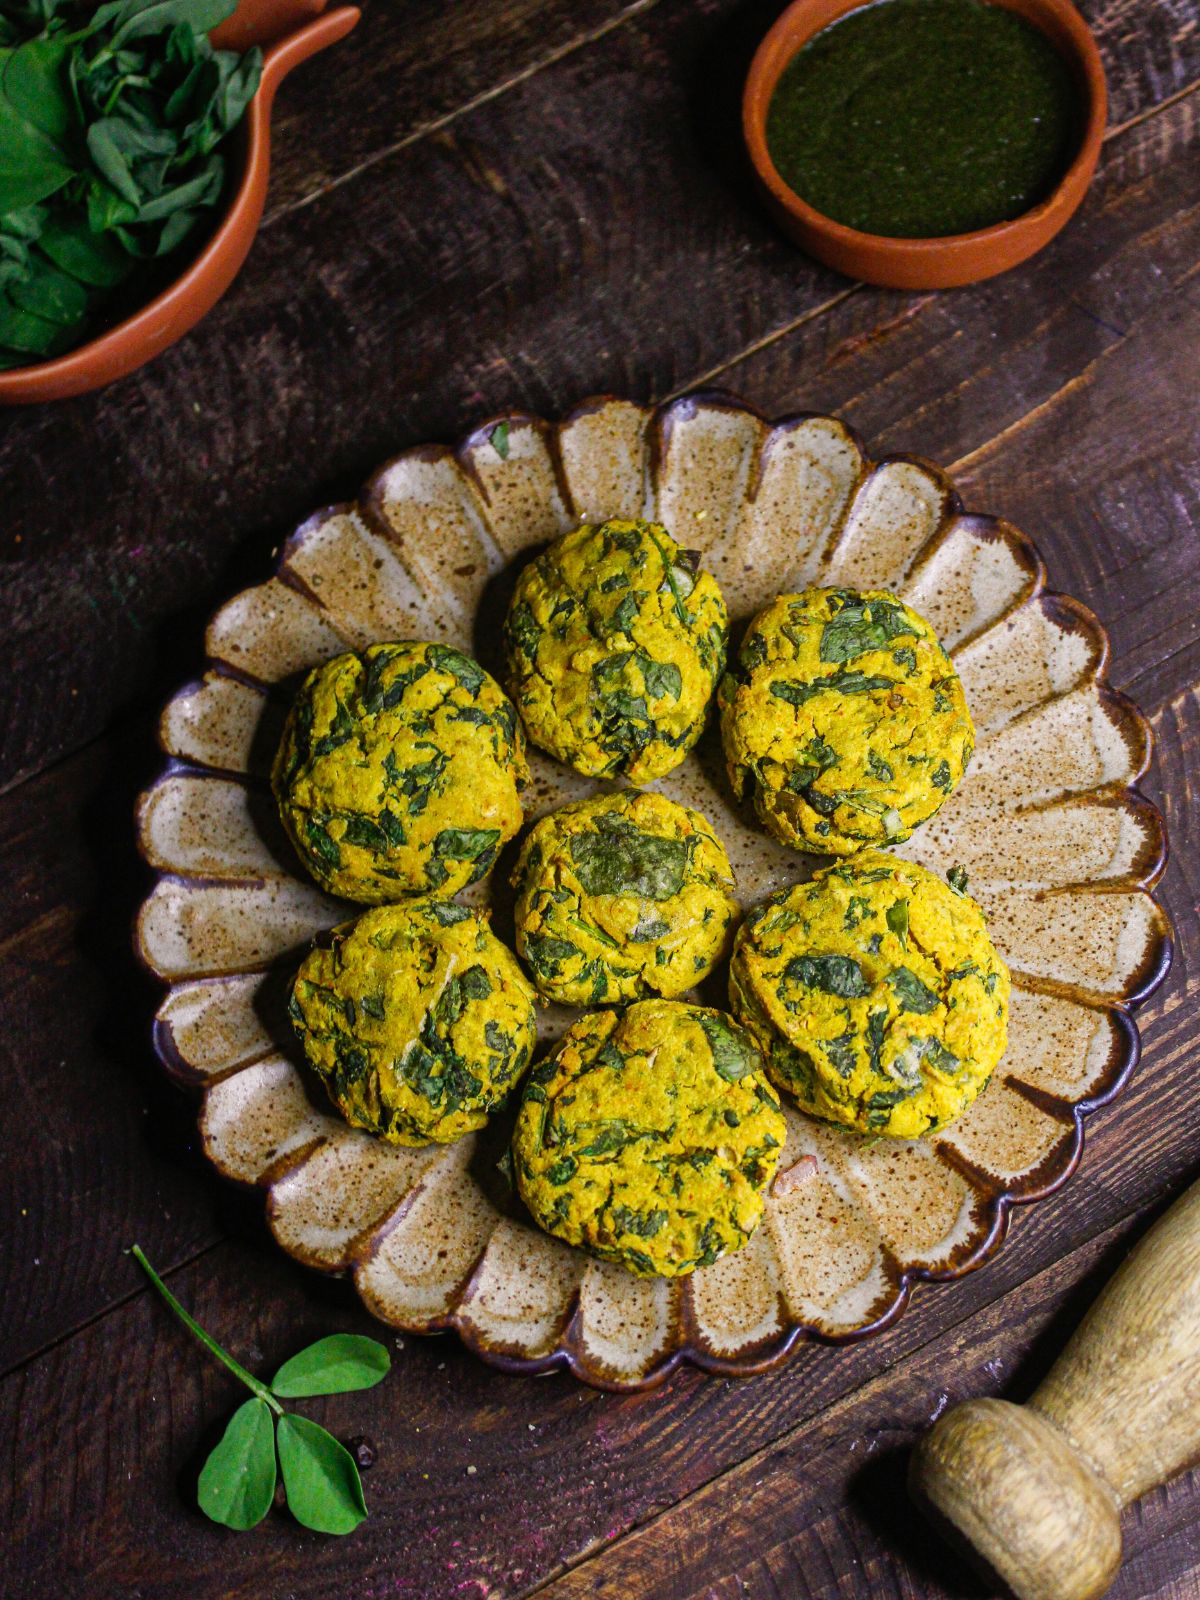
x: 1061, y: 850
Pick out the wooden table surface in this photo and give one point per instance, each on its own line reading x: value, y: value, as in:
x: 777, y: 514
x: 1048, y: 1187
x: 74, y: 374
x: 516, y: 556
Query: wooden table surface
x: 473, y: 207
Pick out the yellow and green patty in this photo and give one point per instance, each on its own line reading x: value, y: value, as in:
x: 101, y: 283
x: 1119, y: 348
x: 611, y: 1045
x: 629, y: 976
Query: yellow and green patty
x: 416, y: 1018
x: 398, y: 772
x: 844, y: 720
x: 875, y: 994
x: 649, y: 1137
x: 614, y: 641
x: 621, y: 897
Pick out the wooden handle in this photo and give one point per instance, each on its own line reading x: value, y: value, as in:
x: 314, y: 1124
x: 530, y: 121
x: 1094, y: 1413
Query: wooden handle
x: 1038, y: 1489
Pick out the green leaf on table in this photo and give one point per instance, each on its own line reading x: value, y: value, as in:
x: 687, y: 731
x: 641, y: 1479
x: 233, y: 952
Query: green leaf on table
x: 336, y: 1365
x: 237, y: 1482
x: 324, y: 1490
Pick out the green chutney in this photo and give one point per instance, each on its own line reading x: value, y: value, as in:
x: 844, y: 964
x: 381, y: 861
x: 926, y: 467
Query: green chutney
x: 920, y: 118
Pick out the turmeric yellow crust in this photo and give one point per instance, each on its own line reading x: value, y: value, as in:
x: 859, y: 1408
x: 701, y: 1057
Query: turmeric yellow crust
x: 844, y: 720
x: 399, y: 771
x: 649, y: 1137
x: 875, y: 994
x: 417, y: 1019
x: 614, y: 641
x: 621, y: 897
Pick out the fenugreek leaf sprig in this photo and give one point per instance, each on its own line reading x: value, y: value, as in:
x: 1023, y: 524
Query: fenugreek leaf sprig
x: 237, y: 1482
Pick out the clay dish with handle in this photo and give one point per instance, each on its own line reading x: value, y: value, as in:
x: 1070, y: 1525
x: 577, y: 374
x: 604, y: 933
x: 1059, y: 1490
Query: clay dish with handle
x: 289, y: 31
x: 954, y: 259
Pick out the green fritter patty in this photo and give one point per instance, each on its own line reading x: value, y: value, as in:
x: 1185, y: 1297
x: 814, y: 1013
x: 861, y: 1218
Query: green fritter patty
x: 417, y: 1019
x: 614, y: 641
x: 398, y: 772
x: 844, y: 720
x: 649, y: 1137
x: 620, y: 897
x: 875, y: 994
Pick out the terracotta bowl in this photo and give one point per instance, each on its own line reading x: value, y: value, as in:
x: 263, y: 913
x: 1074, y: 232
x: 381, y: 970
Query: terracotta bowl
x: 942, y: 263
x: 289, y: 31
x: 1061, y: 849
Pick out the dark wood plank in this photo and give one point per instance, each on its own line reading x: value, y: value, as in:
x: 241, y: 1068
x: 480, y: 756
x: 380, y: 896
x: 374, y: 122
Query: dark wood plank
x: 824, y: 1511
x: 1151, y: 359
x: 531, y: 239
x: 1056, y: 394
x: 108, y: 1429
x: 94, y: 1143
x: 407, y: 69
x: 543, y: 237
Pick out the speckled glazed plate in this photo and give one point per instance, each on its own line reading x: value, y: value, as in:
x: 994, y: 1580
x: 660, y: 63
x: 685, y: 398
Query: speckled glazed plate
x: 1061, y: 850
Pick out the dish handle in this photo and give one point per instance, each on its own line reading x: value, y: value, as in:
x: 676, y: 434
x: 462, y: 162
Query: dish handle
x: 268, y: 22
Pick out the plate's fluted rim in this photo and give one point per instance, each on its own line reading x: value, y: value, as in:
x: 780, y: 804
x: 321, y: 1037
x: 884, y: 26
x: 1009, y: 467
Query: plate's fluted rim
x: 995, y: 1200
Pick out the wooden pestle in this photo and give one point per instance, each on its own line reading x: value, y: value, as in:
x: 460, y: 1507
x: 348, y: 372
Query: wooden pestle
x: 1038, y: 1489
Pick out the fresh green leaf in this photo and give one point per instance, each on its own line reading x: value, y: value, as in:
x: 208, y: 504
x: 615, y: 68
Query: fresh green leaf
x: 136, y: 18
x: 49, y: 293
x: 237, y: 1482
x: 202, y: 190
x: 324, y: 1490
x: 34, y: 83
x: 498, y: 438
x: 335, y: 1365
x: 897, y: 920
x: 31, y: 169
x: 30, y: 334
x: 92, y: 258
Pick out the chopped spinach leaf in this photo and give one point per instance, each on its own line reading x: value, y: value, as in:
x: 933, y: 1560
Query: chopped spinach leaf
x: 644, y: 1224
x: 797, y: 694
x: 862, y: 625
x: 641, y: 864
x: 732, y: 1054
x: 839, y: 975
x: 910, y: 992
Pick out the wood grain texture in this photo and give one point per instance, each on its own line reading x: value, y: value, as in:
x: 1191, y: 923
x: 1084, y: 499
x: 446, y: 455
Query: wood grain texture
x: 531, y: 237
x: 822, y: 1511
x: 1143, y: 556
x: 408, y: 69
x: 708, y: 1483
x: 551, y: 208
